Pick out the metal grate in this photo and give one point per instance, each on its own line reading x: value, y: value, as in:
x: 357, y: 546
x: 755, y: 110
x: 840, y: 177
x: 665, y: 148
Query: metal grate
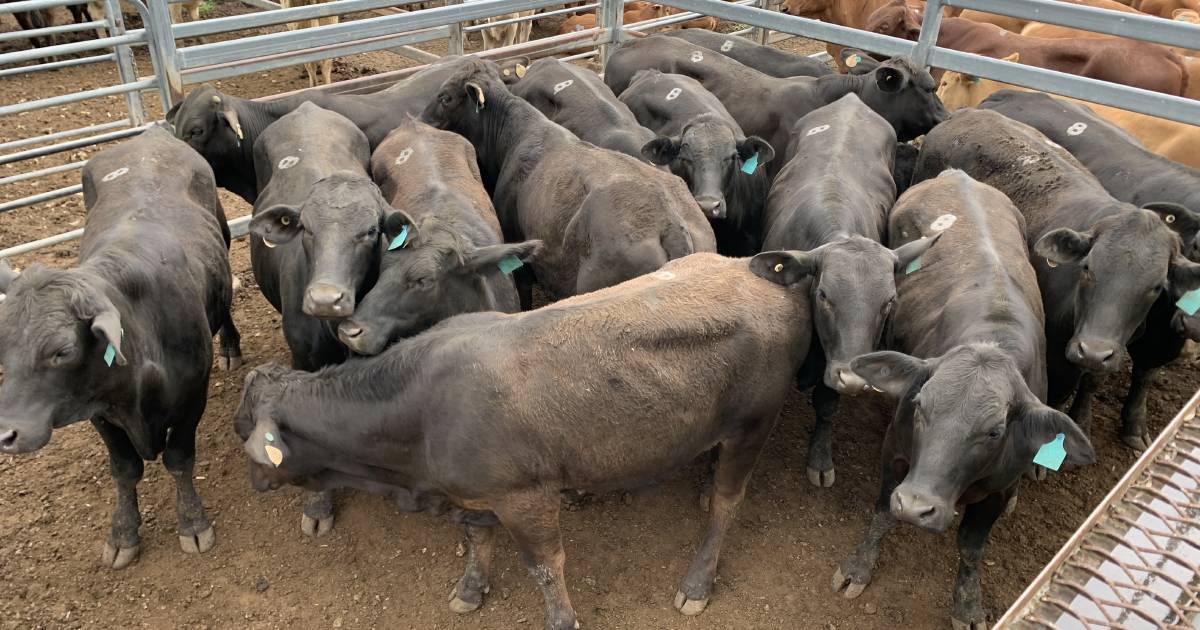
x: 1135, y: 563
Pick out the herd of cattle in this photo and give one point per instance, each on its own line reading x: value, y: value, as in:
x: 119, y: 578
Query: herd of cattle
x: 982, y: 277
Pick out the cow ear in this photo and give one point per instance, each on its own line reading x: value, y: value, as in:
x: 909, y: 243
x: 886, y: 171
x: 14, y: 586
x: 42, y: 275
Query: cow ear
x: 754, y: 145
x: 394, y: 222
x: 786, y: 267
x: 858, y: 61
x: 1185, y: 275
x: 275, y: 225
x: 661, y: 150
x: 475, y: 94
x: 173, y: 112
x: 890, y: 79
x: 106, y: 326
x: 1036, y: 425
x: 485, y: 258
x: 1063, y: 245
x: 265, y: 444
x: 909, y: 252
x: 230, y: 117
x: 1183, y: 221
x: 7, y: 276
x: 892, y: 373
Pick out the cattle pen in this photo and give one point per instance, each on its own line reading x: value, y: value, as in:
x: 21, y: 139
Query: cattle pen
x: 1134, y: 563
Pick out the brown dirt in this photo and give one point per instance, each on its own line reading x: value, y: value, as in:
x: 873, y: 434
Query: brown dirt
x: 380, y: 568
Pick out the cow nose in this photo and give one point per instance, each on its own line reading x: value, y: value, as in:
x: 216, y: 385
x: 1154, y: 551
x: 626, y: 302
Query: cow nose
x: 850, y: 383
x: 712, y: 206
x: 912, y: 507
x: 1094, y: 355
x: 326, y: 300
x: 8, y: 440
x: 350, y: 330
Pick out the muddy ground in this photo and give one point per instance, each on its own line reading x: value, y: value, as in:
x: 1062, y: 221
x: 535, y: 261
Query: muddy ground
x: 383, y: 569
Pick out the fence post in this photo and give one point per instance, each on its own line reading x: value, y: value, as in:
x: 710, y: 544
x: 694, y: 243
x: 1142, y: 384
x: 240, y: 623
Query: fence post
x: 456, y: 33
x: 610, y: 16
x: 157, y: 21
x: 125, y: 64
x: 929, y: 32
x: 762, y: 35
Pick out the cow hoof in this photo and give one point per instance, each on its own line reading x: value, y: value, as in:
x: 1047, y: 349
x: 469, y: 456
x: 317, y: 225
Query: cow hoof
x: 461, y: 606
x: 689, y: 607
x: 821, y: 478
x: 968, y: 625
x: 236, y: 285
x: 1011, y: 506
x: 229, y: 364
x: 199, y: 543
x: 705, y: 501
x: 853, y: 589
x: 315, y: 528
x: 1037, y: 473
x: 1138, y: 443
x: 119, y: 557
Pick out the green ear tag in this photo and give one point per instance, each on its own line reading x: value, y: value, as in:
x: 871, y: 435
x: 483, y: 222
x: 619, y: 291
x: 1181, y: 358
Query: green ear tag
x: 913, y: 266
x: 110, y: 353
x: 270, y: 436
x: 1190, y: 302
x: 398, y: 242
x: 509, y: 264
x: 1052, y: 453
x: 750, y: 165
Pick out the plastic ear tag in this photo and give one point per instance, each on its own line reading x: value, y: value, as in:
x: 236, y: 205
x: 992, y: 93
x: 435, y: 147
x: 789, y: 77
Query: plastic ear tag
x: 274, y: 454
x: 1052, y: 453
x: 398, y: 242
x: 750, y: 165
x: 912, y: 266
x: 110, y: 353
x: 509, y: 264
x: 1190, y: 302
x: 852, y: 61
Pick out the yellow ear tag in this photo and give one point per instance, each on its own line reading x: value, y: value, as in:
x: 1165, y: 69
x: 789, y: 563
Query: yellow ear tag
x: 852, y: 61
x: 274, y: 454
x: 778, y: 267
x: 520, y: 71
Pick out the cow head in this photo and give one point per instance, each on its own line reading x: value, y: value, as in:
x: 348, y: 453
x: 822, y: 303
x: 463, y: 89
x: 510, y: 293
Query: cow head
x: 59, y: 332
x: 435, y: 275
x: 903, y: 94
x: 466, y: 99
x: 207, y: 120
x: 853, y: 292
x: 972, y: 418
x: 272, y: 458
x: 709, y: 155
x: 958, y: 90
x: 343, y: 225
x: 1121, y: 266
x: 896, y: 19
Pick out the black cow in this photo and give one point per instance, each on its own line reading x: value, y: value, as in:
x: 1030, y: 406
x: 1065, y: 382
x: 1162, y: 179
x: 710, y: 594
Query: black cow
x: 224, y: 128
x: 452, y: 258
x: 814, y: 205
x: 768, y: 107
x: 768, y: 60
x: 970, y: 378
x: 318, y: 232
x: 1102, y: 264
x: 577, y: 99
x: 603, y: 216
x: 124, y: 338
x: 492, y: 414
x: 703, y: 144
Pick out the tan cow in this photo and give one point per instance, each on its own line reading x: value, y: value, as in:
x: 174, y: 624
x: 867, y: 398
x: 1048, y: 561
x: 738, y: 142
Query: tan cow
x: 508, y: 34
x: 1017, y: 25
x: 1170, y: 139
x: 326, y: 65
x: 1165, y: 8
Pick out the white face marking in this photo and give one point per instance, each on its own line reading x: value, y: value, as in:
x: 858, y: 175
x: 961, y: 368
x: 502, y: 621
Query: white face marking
x: 697, y: 56
x: 115, y: 174
x: 818, y: 129
x: 403, y: 156
x: 727, y: 46
x: 288, y: 162
x: 674, y: 94
x: 664, y: 275
x: 943, y: 222
x: 1076, y: 129
x: 558, y: 87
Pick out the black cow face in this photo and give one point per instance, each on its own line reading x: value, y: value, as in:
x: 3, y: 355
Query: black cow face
x: 905, y: 95
x: 853, y: 293
x: 709, y: 156
x: 343, y: 226
x: 1121, y: 266
x: 972, y: 417
x: 56, y: 331
x: 464, y: 97
x: 435, y: 275
x: 206, y: 120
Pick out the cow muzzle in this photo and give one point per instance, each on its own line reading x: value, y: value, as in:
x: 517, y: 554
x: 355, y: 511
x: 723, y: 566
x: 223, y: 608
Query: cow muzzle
x: 845, y: 382
x: 713, y: 207
x: 1094, y: 355
x: 359, y: 339
x: 18, y: 438
x: 921, y: 509
x: 328, y: 301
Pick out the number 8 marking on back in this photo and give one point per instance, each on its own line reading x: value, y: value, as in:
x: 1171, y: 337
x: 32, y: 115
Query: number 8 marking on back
x: 697, y: 56
x: 674, y: 94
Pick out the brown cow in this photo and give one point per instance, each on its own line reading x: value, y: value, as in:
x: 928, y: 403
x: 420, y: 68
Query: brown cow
x: 1117, y: 60
x: 1018, y: 25
x: 852, y: 13
x: 1165, y: 8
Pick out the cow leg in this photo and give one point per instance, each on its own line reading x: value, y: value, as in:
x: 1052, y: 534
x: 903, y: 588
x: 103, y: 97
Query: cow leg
x: 123, y: 544
x: 1081, y: 407
x: 467, y: 595
x: 820, y: 442
x: 967, y: 612
x: 230, y: 353
x: 327, y: 71
x: 196, y: 533
x: 854, y: 573
x: 532, y: 519
x: 311, y: 69
x: 736, y: 462
x: 317, y: 519
x: 1134, y: 432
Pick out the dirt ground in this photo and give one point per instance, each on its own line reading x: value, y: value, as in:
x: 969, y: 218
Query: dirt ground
x: 383, y: 569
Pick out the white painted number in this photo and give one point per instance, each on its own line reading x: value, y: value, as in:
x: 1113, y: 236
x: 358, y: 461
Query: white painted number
x: 558, y: 87
x: 697, y: 56
x: 727, y: 46
x: 1076, y: 129
x: 404, y: 155
x: 288, y: 162
x: 674, y: 94
x: 943, y: 222
x: 115, y: 174
x: 816, y: 130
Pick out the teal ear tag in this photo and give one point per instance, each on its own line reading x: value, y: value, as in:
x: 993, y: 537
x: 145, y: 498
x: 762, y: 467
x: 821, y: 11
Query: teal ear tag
x: 1052, y: 453
x: 750, y: 165
x: 913, y: 266
x: 508, y: 264
x: 398, y: 242
x: 110, y: 353
x: 1190, y: 302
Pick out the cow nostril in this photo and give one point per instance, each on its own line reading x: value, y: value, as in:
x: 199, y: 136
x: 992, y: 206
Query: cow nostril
x: 352, y: 331
x: 927, y: 512
x: 8, y: 438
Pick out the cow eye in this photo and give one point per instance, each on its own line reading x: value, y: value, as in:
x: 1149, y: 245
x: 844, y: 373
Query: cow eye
x: 196, y: 131
x: 372, y: 232
x: 421, y: 284
x: 62, y: 356
x: 445, y: 99
x: 996, y: 432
